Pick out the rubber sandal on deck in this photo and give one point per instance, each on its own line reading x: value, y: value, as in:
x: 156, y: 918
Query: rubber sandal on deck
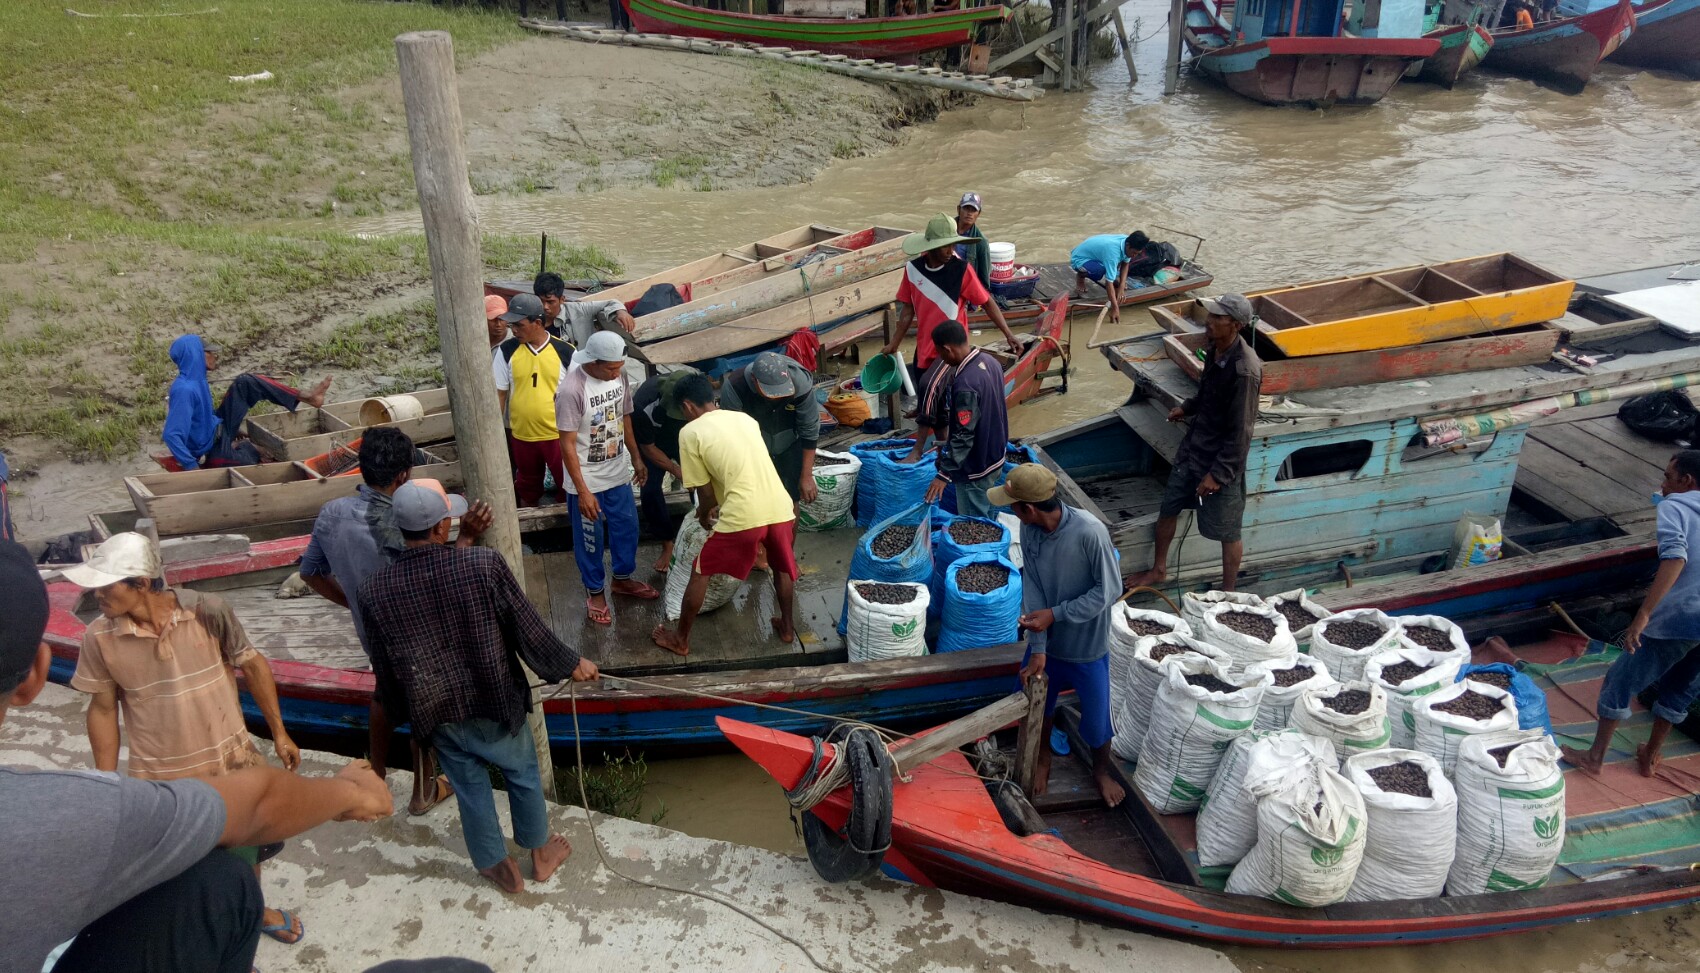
x: 601, y: 616
x: 290, y: 923
x: 644, y: 592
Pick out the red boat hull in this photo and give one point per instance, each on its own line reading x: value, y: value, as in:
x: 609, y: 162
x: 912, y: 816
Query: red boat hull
x: 1666, y: 37
x: 1565, y: 52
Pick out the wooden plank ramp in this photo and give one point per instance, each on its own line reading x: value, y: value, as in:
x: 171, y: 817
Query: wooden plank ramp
x: 1011, y: 89
x: 1584, y: 462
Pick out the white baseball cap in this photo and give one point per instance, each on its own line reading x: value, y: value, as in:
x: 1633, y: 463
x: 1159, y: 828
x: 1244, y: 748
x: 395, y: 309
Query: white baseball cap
x: 605, y: 346
x: 127, y: 555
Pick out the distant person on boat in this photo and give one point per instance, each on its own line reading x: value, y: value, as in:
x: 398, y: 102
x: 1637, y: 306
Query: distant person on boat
x: 938, y: 286
x: 657, y: 421
x: 593, y: 411
x: 163, y: 659
x: 198, y: 434
x: 1104, y: 260
x: 449, y: 627
x: 575, y: 321
x: 1659, y: 645
x: 527, y: 369
x: 352, y: 538
x: 618, y: 17
x: 964, y: 406
x: 494, y: 307
x: 739, y: 500
x: 976, y: 250
x: 1069, y: 582
x: 779, y: 395
x: 1525, y: 16
x: 1209, y: 469
x: 1151, y: 259
x: 133, y: 873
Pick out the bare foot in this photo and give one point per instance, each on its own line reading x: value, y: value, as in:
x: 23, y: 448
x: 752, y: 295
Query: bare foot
x: 316, y: 398
x: 668, y: 639
x: 761, y: 560
x: 1112, y: 791
x: 783, y: 629
x: 1648, y: 759
x: 505, y: 874
x: 546, y: 859
x: 665, y: 561
x: 1042, y: 773
x: 1150, y: 579
x: 1583, y: 759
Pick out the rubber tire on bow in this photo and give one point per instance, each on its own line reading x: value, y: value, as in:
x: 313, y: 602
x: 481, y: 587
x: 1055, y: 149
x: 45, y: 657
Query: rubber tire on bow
x: 856, y: 852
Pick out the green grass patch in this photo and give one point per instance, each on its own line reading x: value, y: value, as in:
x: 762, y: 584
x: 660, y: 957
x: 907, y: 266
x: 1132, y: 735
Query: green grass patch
x: 678, y: 168
x: 615, y: 787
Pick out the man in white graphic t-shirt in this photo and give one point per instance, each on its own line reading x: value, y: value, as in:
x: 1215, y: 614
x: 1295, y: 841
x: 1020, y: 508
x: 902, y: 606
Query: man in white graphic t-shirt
x: 593, y: 411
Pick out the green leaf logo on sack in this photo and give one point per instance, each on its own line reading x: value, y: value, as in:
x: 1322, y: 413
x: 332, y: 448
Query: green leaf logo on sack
x: 904, y: 629
x: 1547, y: 828
x: 1326, y: 857
x: 829, y: 482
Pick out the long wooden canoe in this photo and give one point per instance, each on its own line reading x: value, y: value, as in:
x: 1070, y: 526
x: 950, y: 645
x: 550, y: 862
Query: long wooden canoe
x: 873, y: 37
x: 734, y: 264
x: 818, y: 311
x: 308, y: 432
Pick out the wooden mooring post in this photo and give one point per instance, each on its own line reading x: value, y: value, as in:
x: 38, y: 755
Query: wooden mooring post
x: 438, y: 142
x: 1177, y: 23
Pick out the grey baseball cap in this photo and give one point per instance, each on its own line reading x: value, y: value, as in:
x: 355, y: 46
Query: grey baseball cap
x: 1235, y: 306
x: 522, y: 307
x: 210, y: 346
x: 769, y: 374
x: 601, y: 346
x: 422, y: 508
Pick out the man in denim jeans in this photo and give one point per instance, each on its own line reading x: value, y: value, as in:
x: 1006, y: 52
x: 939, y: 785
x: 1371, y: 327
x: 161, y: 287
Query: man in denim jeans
x: 444, y: 626
x: 1658, y: 647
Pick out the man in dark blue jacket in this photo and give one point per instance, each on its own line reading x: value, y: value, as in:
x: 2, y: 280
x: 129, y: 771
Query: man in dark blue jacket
x: 199, y: 435
x: 962, y: 403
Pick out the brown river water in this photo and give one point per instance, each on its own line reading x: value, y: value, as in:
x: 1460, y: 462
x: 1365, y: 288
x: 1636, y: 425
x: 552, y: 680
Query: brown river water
x: 1583, y: 184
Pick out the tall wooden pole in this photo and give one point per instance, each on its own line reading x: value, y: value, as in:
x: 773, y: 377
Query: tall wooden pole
x: 1172, y: 70
x: 437, y: 140
x: 1068, y: 46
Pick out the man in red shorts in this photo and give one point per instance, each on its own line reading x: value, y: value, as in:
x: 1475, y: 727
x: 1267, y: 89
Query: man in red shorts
x: 724, y: 459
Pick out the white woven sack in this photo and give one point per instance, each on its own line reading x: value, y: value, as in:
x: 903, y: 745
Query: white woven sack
x: 1227, y: 820
x: 1133, y: 715
x: 1348, y: 664
x: 1408, y: 850
x: 1190, y: 730
x: 879, y: 631
x: 1193, y: 604
x: 835, y: 483
x: 1123, y: 642
x: 1454, y: 634
x: 686, y: 546
x: 1302, y: 636
x: 1511, y: 823
x: 1351, y: 733
x: 1275, y: 712
x: 1403, y: 696
x: 1310, y: 836
x: 1247, y: 649
x: 1440, y: 734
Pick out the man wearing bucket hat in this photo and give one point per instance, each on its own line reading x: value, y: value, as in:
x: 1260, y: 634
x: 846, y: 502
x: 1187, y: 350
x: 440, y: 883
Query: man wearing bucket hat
x: 1069, y: 581
x: 1209, y: 469
x: 162, y: 657
x: 938, y: 286
x: 593, y: 411
x: 779, y: 395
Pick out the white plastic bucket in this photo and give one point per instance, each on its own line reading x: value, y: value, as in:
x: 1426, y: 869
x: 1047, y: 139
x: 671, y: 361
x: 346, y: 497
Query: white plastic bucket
x: 1003, y: 261
x: 389, y: 408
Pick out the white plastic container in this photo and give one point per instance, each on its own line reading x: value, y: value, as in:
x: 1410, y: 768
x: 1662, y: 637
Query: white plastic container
x: 1003, y: 261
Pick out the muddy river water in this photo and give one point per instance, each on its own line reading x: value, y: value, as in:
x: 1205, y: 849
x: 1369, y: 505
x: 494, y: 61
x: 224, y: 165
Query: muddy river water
x: 1604, y: 180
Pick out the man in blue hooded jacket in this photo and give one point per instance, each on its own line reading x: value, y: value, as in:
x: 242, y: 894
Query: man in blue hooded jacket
x: 199, y: 435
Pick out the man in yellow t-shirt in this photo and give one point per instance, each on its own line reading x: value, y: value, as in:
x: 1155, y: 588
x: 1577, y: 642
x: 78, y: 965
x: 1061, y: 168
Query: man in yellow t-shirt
x: 527, y: 368
x: 723, y: 458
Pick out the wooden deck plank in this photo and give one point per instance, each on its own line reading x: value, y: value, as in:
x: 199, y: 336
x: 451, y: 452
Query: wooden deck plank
x: 1603, y: 456
x: 1600, y: 494
x: 1615, y: 431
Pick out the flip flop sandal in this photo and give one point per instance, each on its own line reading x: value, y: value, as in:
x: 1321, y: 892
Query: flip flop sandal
x: 601, y: 616
x: 289, y: 925
x: 643, y: 593
x: 445, y: 790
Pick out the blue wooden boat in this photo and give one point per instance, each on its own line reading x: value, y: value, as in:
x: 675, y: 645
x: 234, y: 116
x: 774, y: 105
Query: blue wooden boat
x: 1666, y: 37
x: 1566, y: 51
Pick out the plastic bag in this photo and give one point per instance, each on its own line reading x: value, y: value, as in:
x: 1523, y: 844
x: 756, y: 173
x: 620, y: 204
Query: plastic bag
x: 1302, y: 635
x: 1247, y: 649
x: 687, y: 544
x: 880, y: 631
x: 947, y: 551
x: 1276, y: 710
x: 1531, y: 701
x: 835, y: 480
x: 1454, y: 635
x: 1402, y: 696
x: 1511, y: 821
x: 1193, y: 604
x: 1476, y: 540
x: 1411, y: 839
x: 974, y: 620
x: 1666, y: 416
x: 913, y: 563
x: 1227, y: 820
x: 1191, y: 727
x: 1132, y: 716
x: 1310, y: 835
x: 1124, y: 641
x: 1344, y: 662
x: 1440, y: 734
x: 1351, y: 733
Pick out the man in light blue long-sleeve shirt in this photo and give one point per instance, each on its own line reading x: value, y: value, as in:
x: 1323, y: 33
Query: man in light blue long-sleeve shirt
x: 1069, y: 583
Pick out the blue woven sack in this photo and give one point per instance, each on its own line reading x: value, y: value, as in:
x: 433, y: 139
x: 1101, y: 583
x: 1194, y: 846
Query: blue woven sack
x: 886, y: 486
x: 1531, y: 702
x: 946, y: 551
x: 972, y: 621
x: 913, y: 563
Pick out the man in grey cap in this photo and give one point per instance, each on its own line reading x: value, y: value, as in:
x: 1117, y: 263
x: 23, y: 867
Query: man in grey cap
x: 974, y: 247
x: 779, y: 395
x: 1209, y: 469
x: 445, y: 626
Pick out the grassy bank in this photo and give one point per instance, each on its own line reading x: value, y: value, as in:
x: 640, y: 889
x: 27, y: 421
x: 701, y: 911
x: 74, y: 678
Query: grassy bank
x: 131, y: 168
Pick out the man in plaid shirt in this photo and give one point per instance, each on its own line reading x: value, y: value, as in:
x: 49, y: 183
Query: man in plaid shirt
x: 446, y: 628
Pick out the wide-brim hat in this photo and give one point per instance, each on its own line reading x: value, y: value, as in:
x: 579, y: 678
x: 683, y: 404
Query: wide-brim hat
x: 940, y: 232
